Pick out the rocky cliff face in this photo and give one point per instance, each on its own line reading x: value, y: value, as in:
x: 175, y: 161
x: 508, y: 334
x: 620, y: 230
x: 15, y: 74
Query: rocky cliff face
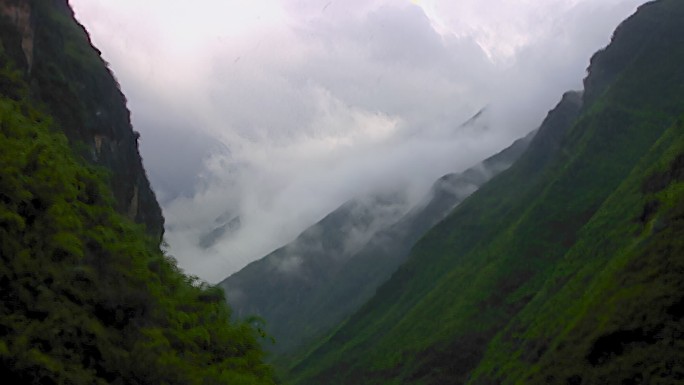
x: 87, y: 296
x: 71, y: 81
x: 19, y: 13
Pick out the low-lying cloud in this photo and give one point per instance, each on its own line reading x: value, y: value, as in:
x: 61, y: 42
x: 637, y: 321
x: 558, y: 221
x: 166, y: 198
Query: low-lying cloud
x: 277, y: 112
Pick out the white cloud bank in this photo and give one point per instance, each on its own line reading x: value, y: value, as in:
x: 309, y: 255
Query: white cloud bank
x: 280, y: 110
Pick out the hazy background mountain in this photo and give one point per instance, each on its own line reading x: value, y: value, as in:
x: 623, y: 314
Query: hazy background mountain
x: 279, y: 111
x: 333, y: 267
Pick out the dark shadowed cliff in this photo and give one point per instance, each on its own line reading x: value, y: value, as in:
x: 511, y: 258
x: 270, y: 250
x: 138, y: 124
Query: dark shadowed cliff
x: 68, y: 77
x: 86, y: 295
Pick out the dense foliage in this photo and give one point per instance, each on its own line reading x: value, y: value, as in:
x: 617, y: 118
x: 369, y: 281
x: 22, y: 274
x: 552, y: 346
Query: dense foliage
x: 567, y: 268
x: 86, y: 297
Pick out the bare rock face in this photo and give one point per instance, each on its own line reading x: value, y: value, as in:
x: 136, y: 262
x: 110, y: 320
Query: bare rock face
x: 19, y: 12
x: 71, y: 80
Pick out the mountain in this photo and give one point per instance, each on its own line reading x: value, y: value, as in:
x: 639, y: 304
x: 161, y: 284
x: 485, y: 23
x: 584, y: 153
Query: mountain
x: 566, y: 268
x: 86, y: 295
x: 297, y: 272
x: 333, y: 267
x: 67, y: 77
x: 226, y: 226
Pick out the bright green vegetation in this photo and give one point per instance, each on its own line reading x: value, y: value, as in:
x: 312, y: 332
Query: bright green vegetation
x: 86, y: 295
x: 87, y: 298
x: 613, y: 307
x: 565, y: 269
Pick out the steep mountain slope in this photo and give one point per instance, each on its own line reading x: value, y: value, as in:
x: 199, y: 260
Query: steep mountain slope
x: 560, y: 270
x: 70, y: 80
x: 336, y: 265
x: 86, y: 296
x: 612, y: 309
x: 299, y: 270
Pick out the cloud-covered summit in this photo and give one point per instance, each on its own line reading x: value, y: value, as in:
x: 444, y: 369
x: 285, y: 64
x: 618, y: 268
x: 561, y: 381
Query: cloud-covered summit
x: 279, y: 110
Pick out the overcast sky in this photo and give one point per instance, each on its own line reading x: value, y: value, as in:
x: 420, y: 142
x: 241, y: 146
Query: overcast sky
x: 278, y: 111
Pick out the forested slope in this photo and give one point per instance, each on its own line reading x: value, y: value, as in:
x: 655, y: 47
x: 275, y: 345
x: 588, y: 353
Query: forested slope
x: 86, y: 295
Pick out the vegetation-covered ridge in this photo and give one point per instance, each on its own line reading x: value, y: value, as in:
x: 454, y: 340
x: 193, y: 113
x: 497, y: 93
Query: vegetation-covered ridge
x: 70, y: 81
x: 612, y: 310
x: 565, y: 269
x: 86, y: 296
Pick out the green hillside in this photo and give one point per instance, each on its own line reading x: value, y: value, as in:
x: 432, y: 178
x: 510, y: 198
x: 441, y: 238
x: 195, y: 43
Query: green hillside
x: 564, y: 269
x: 612, y: 309
x: 86, y: 295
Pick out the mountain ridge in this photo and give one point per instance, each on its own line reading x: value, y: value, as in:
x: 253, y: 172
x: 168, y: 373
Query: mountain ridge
x: 68, y: 77
x: 331, y: 279
x: 86, y: 295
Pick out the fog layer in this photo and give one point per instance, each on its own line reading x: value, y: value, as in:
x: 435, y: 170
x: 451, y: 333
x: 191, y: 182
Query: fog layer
x: 259, y: 118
